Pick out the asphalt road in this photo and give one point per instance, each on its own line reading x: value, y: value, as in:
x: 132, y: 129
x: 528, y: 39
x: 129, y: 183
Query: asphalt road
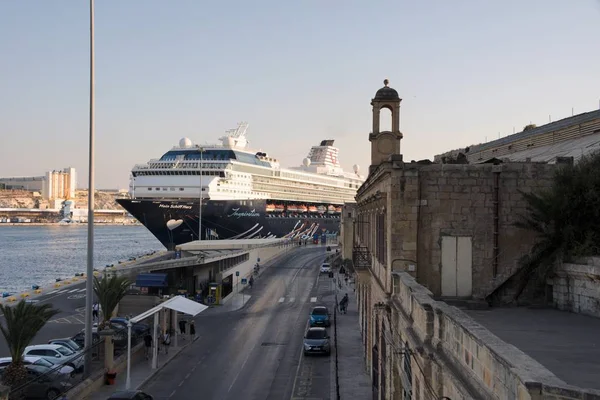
x: 70, y: 300
x: 256, y: 352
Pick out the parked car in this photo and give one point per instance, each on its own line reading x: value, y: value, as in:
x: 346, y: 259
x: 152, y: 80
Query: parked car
x: 68, y: 343
x: 325, y: 268
x: 319, y: 316
x: 316, y: 340
x: 130, y: 395
x: 41, y: 386
x: 137, y: 328
x: 56, y: 354
x: 79, y: 338
x: 41, y: 364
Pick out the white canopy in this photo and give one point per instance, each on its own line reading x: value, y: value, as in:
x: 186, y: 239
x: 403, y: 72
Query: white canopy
x: 177, y: 303
x: 183, y: 305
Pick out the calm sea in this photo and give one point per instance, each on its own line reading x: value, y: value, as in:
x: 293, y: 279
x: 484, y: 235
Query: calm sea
x: 39, y: 254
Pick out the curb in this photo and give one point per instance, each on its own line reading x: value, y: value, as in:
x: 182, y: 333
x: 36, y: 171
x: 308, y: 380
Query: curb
x: 157, y: 370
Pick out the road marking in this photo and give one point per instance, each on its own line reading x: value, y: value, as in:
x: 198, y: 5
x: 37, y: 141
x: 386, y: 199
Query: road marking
x: 281, y: 300
x: 188, y: 375
x: 292, y: 299
x: 299, y: 365
x: 173, y: 393
x: 313, y: 299
x: 242, y: 367
x: 74, y: 290
x: 82, y: 290
x: 180, y: 383
x: 54, y: 291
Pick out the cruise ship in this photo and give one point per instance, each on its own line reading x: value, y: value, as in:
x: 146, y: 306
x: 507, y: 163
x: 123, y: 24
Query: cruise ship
x: 243, y: 193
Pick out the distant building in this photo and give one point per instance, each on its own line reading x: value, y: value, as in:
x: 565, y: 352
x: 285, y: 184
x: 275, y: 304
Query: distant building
x: 60, y: 184
x: 54, y: 185
x: 29, y: 183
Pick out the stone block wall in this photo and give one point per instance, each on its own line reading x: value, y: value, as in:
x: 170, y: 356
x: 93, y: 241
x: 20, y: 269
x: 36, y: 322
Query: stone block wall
x: 576, y: 287
x: 458, y: 200
x: 463, y: 360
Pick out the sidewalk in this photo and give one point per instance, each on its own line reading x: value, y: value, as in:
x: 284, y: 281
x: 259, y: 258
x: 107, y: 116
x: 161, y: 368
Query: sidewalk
x: 141, y: 372
x: 353, y: 379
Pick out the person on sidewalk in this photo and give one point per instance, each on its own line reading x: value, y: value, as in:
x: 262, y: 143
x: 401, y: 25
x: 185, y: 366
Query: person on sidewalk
x: 344, y: 304
x: 251, y: 281
x: 167, y: 341
x: 147, y: 345
x: 95, y: 309
x: 182, y: 328
x: 192, y: 330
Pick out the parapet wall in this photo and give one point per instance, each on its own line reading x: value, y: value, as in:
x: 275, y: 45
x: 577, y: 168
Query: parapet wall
x: 576, y: 287
x: 469, y: 361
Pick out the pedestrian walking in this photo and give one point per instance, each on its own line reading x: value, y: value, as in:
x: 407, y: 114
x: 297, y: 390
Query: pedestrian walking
x: 147, y: 345
x: 192, y: 329
x: 95, y: 311
x: 167, y: 341
x: 251, y: 282
x: 344, y: 304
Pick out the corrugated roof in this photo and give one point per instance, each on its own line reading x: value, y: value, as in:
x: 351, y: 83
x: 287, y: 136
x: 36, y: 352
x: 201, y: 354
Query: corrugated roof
x: 575, y: 148
x: 551, y: 127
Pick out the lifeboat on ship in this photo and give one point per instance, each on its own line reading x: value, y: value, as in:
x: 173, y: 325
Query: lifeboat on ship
x: 270, y: 208
x: 330, y: 209
x: 302, y: 208
x: 312, y: 209
x: 292, y: 208
x: 321, y: 209
x: 279, y: 208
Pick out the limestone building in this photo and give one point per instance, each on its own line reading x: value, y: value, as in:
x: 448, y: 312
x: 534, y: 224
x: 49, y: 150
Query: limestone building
x: 450, y: 227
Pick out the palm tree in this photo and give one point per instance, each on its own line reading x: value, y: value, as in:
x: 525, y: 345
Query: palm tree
x: 110, y: 291
x: 566, y: 220
x: 23, y: 322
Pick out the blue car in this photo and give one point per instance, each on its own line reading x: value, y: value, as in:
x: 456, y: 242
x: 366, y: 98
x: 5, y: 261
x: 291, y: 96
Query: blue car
x: 319, y: 316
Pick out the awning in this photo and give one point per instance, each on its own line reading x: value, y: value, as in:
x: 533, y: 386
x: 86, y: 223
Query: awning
x: 177, y: 303
x: 183, y: 305
x: 151, y: 280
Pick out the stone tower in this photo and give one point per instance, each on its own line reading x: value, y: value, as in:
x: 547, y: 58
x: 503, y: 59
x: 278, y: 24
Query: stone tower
x: 386, y: 143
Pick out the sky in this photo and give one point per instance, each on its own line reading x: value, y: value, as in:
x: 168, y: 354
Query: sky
x: 297, y: 71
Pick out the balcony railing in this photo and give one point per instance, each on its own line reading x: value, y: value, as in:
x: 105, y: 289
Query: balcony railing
x: 361, y: 258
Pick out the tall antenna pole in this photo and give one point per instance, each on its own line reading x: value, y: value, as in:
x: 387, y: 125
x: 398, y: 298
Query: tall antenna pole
x: 200, y: 199
x: 89, y: 287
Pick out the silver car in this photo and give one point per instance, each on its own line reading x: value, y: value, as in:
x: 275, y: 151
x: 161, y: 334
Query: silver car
x: 316, y: 341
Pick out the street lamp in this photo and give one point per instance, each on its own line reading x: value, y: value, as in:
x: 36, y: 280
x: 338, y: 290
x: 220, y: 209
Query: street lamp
x: 200, y: 199
x: 89, y: 287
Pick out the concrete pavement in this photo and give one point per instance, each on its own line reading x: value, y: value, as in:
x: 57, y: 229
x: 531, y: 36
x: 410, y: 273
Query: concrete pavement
x: 565, y: 343
x: 256, y: 352
x: 354, y: 382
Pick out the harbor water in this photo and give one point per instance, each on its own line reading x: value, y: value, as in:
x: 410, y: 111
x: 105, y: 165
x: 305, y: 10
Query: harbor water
x: 38, y: 255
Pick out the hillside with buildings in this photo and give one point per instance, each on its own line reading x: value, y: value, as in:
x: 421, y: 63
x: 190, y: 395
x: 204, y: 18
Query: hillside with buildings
x: 27, y: 199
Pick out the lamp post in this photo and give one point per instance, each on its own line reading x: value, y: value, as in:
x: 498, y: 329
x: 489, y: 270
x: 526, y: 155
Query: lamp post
x: 200, y: 199
x: 89, y: 287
